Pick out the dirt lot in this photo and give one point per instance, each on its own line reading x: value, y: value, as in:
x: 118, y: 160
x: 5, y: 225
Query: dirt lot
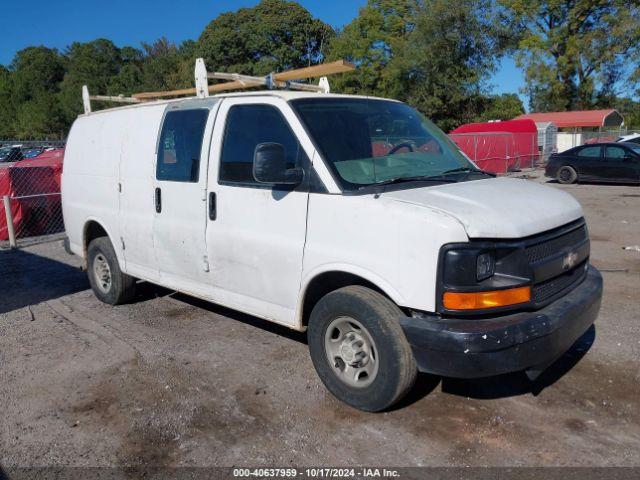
x: 172, y: 381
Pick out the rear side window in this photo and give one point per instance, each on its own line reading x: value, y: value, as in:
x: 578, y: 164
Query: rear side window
x: 615, y: 152
x: 180, y: 145
x: 247, y: 126
x: 589, y: 152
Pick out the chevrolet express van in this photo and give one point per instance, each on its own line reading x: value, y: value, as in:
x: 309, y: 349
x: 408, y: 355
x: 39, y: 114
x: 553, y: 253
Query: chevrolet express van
x: 352, y: 218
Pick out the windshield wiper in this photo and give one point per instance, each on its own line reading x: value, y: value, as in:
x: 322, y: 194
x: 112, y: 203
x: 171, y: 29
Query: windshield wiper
x: 417, y: 178
x: 467, y: 170
x: 442, y: 177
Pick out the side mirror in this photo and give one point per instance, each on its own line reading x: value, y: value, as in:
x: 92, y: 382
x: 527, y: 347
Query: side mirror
x: 270, y: 166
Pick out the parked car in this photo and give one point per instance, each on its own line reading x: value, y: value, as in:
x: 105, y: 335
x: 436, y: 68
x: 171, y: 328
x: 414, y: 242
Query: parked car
x: 632, y: 138
x: 275, y: 204
x: 11, y: 154
x: 602, y: 162
x: 32, y: 152
x: 599, y: 139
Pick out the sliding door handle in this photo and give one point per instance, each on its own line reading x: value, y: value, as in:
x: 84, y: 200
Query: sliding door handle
x: 213, y: 211
x: 158, y: 197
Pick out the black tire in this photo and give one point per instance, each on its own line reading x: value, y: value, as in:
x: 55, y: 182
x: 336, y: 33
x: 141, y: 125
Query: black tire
x: 121, y: 287
x: 396, y: 370
x: 567, y: 175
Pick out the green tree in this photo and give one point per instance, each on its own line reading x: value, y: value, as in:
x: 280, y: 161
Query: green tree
x: 630, y: 110
x: 28, y: 93
x: 274, y: 35
x: 371, y: 41
x: 6, y: 104
x: 93, y: 64
x: 39, y: 118
x: 129, y: 78
x: 36, y: 71
x: 167, y: 66
x: 501, y: 107
x: 447, y: 60
x: 575, y: 53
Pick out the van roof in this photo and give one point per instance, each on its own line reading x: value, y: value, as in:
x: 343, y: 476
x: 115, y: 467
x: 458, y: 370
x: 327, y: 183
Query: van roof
x: 284, y: 94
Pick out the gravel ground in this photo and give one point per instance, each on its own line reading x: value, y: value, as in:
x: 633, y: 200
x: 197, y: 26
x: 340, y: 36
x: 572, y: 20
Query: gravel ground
x: 172, y: 381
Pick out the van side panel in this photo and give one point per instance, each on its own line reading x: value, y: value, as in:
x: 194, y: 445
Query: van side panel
x: 90, y: 176
x: 137, y: 174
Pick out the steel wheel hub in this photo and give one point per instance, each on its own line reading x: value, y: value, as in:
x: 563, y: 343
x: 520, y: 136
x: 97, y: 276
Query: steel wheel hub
x: 351, y: 352
x: 102, y: 273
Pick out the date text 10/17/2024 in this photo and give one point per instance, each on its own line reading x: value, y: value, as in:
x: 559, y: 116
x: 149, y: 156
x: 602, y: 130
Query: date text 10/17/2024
x: 316, y: 473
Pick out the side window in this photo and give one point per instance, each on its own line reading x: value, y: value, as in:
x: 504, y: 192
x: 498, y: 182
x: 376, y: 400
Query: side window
x: 589, y: 152
x: 180, y: 145
x: 247, y: 126
x: 615, y: 153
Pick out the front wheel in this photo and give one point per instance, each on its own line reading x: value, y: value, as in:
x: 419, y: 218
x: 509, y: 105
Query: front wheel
x: 359, y: 350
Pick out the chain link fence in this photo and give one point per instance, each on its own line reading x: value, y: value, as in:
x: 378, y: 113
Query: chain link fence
x: 500, y: 152
x: 604, y: 136
x: 31, y: 209
x: 567, y: 138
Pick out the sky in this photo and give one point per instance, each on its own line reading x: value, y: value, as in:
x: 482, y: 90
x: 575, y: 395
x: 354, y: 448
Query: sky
x: 58, y: 23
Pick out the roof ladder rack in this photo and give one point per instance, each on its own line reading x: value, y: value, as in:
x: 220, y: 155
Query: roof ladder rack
x: 282, y: 80
x: 86, y: 99
x: 271, y: 82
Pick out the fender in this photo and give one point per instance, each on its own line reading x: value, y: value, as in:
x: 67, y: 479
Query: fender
x: 367, y: 275
x: 116, y: 245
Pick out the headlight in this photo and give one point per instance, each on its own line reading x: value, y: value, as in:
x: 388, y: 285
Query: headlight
x: 485, y: 266
x: 479, y: 276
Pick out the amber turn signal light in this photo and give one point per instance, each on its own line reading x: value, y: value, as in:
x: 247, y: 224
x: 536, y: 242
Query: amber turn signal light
x: 483, y: 300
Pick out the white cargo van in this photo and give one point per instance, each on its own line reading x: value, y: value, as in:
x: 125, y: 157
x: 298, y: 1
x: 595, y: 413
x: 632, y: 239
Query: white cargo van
x: 353, y: 218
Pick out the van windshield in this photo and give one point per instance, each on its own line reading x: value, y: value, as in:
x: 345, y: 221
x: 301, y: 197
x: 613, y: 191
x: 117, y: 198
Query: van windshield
x: 370, y: 142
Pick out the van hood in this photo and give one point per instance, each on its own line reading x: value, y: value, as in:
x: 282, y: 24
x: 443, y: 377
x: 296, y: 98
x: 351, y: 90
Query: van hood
x: 496, y: 207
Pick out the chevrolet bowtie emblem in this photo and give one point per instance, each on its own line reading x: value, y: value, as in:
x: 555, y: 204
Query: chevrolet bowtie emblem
x: 569, y: 260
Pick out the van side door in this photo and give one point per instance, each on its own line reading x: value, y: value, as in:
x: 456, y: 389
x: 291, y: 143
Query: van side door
x: 256, y: 231
x: 179, y: 195
x: 137, y: 173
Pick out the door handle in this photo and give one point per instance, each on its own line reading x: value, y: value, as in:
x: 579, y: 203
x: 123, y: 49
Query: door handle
x: 158, y: 200
x: 212, y: 206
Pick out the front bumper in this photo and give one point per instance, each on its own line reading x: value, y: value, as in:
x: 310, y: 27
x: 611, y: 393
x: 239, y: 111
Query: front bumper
x: 472, y: 348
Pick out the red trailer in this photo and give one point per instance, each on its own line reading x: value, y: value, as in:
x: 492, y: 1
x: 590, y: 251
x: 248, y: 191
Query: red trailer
x: 499, y: 147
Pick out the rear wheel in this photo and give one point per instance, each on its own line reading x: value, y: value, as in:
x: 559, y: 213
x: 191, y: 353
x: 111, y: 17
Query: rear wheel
x: 108, y: 282
x: 567, y: 175
x: 359, y: 350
